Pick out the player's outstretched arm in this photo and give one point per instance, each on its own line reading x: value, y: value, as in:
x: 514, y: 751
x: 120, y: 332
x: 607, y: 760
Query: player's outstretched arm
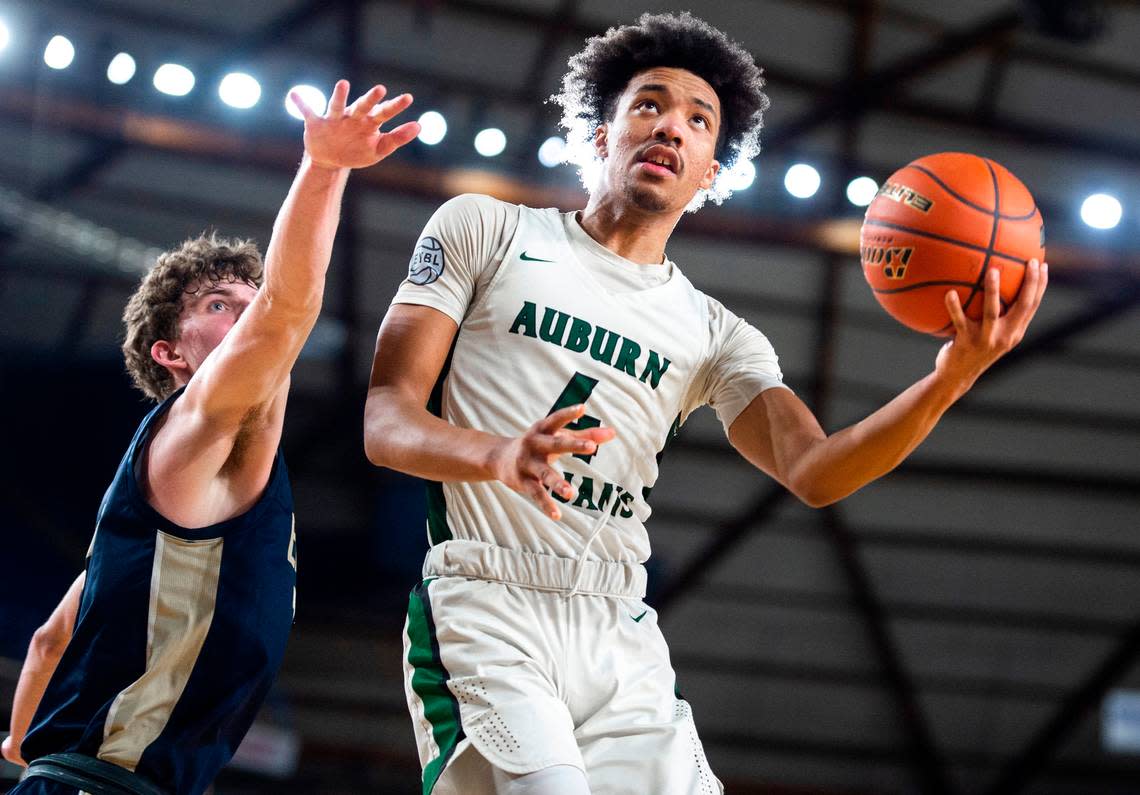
x: 780, y: 435
x: 242, y: 384
x: 401, y: 434
x: 44, y: 653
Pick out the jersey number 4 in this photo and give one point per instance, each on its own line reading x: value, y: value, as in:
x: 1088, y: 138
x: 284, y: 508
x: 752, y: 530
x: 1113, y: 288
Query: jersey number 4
x: 578, y: 390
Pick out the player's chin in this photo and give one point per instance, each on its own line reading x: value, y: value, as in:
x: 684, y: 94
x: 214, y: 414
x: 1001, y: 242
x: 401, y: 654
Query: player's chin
x: 650, y: 198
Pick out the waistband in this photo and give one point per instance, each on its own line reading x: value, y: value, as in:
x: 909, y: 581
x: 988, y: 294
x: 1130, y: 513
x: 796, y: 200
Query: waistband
x: 485, y: 561
x: 90, y: 775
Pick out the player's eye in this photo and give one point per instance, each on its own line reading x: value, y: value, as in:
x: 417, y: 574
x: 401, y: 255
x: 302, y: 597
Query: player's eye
x: 648, y: 104
x: 217, y: 306
x: 701, y: 120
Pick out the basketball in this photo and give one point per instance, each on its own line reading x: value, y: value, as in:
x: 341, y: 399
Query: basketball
x: 939, y: 224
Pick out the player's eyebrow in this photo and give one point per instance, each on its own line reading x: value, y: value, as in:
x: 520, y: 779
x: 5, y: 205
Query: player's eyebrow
x: 658, y: 88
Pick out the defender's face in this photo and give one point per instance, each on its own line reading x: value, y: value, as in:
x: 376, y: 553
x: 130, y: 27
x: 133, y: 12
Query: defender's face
x: 659, y: 148
x: 207, y: 316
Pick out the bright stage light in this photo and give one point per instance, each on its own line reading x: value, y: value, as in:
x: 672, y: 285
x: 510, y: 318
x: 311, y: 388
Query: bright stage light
x: 174, y: 79
x: 239, y: 90
x: 552, y: 152
x: 490, y: 142
x: 5, y: 35
x: 861, y: 191
x: 802, y: 181
x: 310, y: 95
x: 433, y: 127
x: 1101, y: 211
x: 741, y: 175
x: 121, y: 69
x: 59, y: 53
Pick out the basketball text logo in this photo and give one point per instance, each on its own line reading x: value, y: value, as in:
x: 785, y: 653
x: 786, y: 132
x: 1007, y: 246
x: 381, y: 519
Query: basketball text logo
x: 427, y: 262
x: 904, y: 195
x: 894, y: 259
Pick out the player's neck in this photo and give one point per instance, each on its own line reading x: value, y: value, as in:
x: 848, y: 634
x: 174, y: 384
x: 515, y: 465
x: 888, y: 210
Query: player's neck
x: 628, y: 232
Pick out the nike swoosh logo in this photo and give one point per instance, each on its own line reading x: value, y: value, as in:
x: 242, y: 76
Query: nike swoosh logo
x: 637, y: 620
x: 525, y: 258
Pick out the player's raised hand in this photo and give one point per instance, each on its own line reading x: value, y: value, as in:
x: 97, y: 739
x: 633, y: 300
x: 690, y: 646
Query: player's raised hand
x: 526, y: 463
x: 350, y: 136
x: 977, y: 344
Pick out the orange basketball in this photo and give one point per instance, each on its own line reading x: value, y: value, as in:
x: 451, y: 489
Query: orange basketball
x: 939, y: 224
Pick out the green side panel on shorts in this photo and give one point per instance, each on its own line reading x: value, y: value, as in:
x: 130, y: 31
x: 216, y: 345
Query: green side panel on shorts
x: 438, y: 528
x: 429, y: 681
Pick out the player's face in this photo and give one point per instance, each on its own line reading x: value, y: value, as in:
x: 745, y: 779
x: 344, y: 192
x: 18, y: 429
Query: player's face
x: 659, y: 148
x: 207, y: 316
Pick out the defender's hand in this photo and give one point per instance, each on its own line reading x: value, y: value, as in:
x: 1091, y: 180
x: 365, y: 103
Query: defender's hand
x: 978, y: 344
x: 526, y: 464
x: 350, y: 137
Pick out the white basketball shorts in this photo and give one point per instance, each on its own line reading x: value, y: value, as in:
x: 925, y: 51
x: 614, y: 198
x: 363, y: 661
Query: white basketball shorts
x: 502, y: 668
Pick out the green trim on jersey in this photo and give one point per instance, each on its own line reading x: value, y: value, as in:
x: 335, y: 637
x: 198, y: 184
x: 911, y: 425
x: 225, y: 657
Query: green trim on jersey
x: 429, y: 681
x: 674, y: 429
x: 438, y: 528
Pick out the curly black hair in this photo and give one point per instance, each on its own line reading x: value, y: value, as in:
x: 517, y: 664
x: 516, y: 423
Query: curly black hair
x: 599, y: 74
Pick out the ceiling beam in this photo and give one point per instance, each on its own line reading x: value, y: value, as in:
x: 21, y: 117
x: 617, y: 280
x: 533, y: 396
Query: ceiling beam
x: 1040, y: 752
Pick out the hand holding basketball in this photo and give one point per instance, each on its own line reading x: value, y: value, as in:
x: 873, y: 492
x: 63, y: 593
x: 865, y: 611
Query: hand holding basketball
x: 350, y: 137
x: 978, y: 344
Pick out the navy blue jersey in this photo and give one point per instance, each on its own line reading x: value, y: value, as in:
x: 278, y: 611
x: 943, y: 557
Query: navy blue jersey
x: 179, y: 633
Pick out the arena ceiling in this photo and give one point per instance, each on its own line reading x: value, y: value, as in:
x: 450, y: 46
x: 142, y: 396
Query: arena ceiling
x: 954, y: 628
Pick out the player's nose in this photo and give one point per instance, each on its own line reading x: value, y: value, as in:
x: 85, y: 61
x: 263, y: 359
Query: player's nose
x: 670, y: 128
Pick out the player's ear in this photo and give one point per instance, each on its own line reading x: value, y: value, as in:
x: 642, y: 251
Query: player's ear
x: 601, y: 141
x: 710, y: 175
x: 168, y: 356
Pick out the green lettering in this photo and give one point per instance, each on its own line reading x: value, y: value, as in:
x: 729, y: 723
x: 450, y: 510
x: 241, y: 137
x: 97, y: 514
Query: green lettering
x: 604, y: 344
x: 579, y: 338
x: 627, y: 358
x: 654, y: 369
x: 549, y: 331
x: 626, y: 499
x: 525, y: 320
x: 604, y: 497
x: 586, y: 495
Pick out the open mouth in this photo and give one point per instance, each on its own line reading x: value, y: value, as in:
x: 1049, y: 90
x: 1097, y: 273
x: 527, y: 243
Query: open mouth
x: 660, y: 160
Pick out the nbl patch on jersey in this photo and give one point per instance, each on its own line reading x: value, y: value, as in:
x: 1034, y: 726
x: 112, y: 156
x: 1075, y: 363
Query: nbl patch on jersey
x: 427, y: 262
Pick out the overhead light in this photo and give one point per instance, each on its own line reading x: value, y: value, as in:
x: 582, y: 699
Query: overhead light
x: 5, y: 35
x: 174, y: 79
x: 741, y: 175
x: 802, y: 181
x: 59, y: 53
x: 861, y: 191
x: 310, y: 95
x: 1101, y: 211
x: 553, y: 151
x: 433, y: 127
x: 239, y: 90
x: 490, y: 142
x: 121, y: 69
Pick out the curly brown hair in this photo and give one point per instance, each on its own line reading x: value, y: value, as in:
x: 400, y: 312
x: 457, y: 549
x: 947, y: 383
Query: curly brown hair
x: 154, y: 310
x: 601, y: 71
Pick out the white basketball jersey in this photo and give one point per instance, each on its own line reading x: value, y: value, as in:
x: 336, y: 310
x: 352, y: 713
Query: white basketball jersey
x: 542, y: 332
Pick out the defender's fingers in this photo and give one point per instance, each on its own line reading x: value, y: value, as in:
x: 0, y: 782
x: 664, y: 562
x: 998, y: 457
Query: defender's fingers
x: 307, y: 113
x: 390, y: 108
x: 558, y: 419
x: 957, y: 316
x: 1027, y: 297
x: 366, y: 102
x: 598, y: 435
x: 545, y: 502
x: 338, y: 99
x: 391, y: 141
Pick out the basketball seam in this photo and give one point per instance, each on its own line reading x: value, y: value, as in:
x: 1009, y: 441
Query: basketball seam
x: 993, y: 239
x: 909, y: 287
x: 943, y: 238
x: 969, y: 203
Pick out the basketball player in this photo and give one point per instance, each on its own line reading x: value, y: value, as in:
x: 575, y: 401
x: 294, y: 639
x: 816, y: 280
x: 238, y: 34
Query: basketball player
x: 556, y: 354
x: 179, y: 623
